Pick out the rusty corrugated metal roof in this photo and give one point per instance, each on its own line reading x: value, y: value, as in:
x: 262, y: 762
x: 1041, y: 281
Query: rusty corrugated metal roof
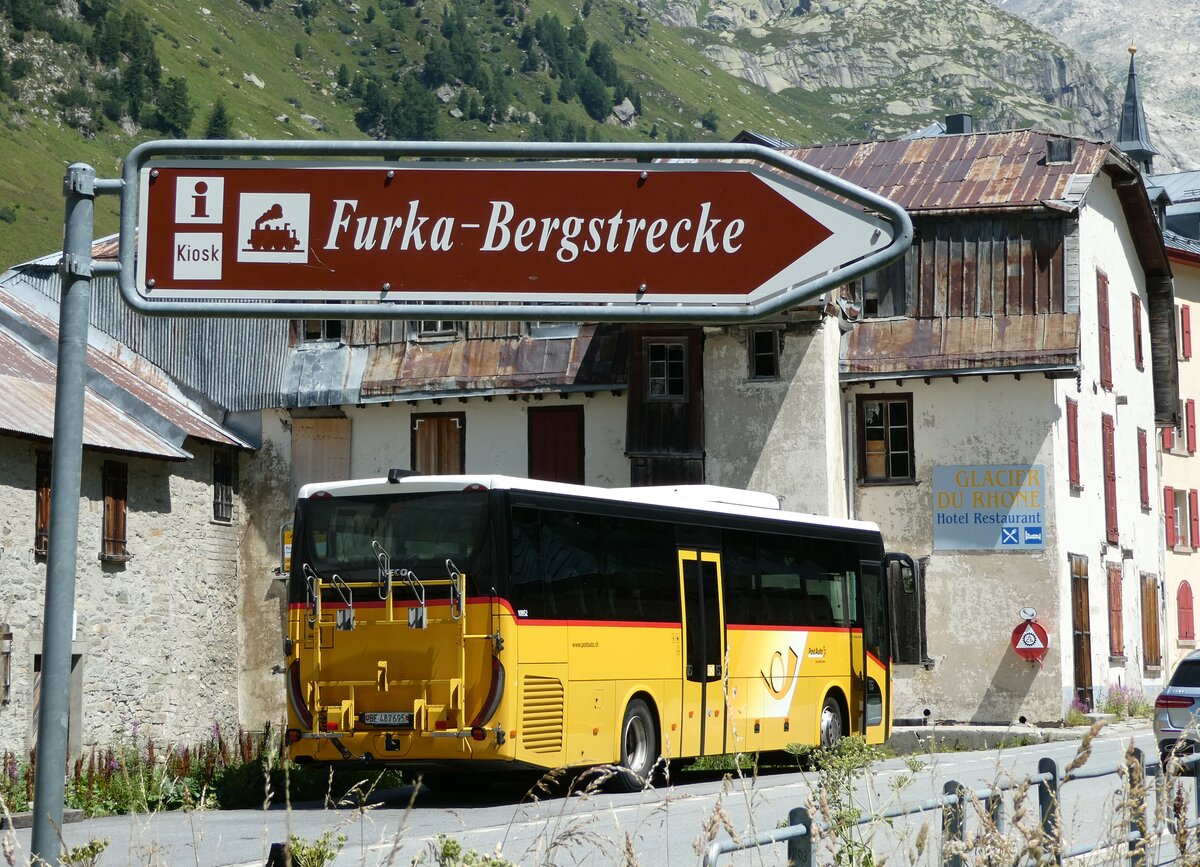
x: 27, y: 383
x: 133, y: 375
x: 595, y: 358
x: 983, y: 170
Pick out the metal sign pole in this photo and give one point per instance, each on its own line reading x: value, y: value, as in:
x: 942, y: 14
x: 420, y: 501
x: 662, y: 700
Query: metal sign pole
x: 79, y: 187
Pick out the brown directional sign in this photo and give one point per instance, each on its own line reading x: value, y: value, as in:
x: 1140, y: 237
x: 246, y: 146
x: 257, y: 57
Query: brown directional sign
x: 578, y: 232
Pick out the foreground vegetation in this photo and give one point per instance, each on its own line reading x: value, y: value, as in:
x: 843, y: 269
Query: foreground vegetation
x: 849, y: 796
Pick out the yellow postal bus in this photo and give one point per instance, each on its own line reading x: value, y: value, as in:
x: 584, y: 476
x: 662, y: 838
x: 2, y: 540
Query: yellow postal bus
x: 441, y: 622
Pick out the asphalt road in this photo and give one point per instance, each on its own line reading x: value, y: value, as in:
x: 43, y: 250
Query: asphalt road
x: 663, y: 826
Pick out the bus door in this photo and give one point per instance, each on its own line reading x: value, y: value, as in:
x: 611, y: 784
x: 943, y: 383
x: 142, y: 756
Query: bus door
x: 703, y: 725
x: 876, y: 650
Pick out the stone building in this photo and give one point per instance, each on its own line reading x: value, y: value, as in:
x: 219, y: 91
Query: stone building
x: 155, y: 632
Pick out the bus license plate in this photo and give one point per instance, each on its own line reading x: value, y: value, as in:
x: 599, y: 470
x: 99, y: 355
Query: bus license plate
x: 394, y: 718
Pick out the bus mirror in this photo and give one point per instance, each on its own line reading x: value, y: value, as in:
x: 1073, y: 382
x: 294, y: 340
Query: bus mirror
x: 285, y: 550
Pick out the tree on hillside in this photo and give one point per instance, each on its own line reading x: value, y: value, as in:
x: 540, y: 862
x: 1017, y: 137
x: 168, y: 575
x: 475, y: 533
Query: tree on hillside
x: 597, y: 101
x: 413, y: 117
x: 601, y: 61
x: 175, y: 109
x: 218, y: 124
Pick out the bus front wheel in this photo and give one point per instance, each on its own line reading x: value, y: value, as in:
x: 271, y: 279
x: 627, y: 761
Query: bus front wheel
x: 639, y: 747
x: 831, y: 722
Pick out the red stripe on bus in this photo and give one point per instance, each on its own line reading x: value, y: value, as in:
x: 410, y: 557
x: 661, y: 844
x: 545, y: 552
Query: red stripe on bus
x: 770, y: 627
x: 648, y: 624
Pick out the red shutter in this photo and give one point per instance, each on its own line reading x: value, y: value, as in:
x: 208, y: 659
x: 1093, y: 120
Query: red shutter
x: 1169, y: 515
x: 1187, y: 620
x: 1073, y: 442
x: 1110, y: 478
x: 1168, y: 438
x: 1191, y: 426
x: 1194, y: 518
x: 1185, y: 329
x: 1137, y: 331
x: 1106, y: 379
x: 1143, y: 469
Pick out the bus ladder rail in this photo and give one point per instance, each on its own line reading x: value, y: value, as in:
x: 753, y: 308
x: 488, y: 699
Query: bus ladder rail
x: 345, y: 710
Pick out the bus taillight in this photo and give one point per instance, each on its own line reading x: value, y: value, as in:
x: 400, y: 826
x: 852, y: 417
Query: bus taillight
x: 292, y: 736
x: 479, y: 734
x: 295, y: 693
x: 475, y: 488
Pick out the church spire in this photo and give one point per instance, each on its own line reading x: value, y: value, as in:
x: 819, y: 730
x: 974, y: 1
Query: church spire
x: 1132, y: 136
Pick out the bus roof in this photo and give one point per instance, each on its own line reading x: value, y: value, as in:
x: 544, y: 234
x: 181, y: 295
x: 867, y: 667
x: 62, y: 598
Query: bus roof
x: 702, y: 498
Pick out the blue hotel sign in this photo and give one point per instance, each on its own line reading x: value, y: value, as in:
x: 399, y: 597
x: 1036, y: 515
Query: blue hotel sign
x: 989, y: 508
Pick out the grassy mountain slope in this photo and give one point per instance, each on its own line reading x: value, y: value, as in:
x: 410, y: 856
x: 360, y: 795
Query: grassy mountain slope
x: 346, y: 69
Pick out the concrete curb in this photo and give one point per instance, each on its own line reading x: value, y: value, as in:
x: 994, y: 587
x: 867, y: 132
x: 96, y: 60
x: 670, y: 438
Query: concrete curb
x: 912, y: 740
x: 25, y: 820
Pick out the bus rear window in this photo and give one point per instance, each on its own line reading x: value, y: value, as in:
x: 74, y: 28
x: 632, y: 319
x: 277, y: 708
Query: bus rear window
x: 419, y: 532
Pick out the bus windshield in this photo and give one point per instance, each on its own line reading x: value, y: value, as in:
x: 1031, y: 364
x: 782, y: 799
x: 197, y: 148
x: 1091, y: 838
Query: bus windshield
x: 418, y: 531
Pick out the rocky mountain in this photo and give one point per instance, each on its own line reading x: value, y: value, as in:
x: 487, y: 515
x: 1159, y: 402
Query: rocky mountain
x: 1167, y: 37
x: 887, y: 66
x: 86, y: 80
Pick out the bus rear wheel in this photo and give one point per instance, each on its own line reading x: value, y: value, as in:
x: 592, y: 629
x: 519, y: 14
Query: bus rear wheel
x: 639, y: 747
x: 831, y: 722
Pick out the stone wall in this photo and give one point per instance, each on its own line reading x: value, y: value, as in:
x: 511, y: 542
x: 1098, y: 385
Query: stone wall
x: 156, y: 636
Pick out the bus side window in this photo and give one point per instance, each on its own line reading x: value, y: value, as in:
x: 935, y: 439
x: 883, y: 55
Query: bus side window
x: 832, y: 589
x: 640, y: 569
x: 783, y: 593
x: 743, y: 592
x: 570, y: 557
x: 526, y: 592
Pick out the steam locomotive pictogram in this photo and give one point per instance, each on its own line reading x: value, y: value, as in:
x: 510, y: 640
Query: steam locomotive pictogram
x: 271, y: 238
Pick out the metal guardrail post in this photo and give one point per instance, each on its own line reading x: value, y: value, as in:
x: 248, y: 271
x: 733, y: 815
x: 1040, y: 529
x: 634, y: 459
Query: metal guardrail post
x: 1048, y: 807
x: 952, y: 823
x: 1137, y: 807
x: 995, y: 810
x: 799, y: 849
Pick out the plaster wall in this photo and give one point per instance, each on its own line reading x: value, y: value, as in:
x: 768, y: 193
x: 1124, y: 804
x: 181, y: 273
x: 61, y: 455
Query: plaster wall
x: 265, y: 486
x: 158, y: 634
x: 497, y: 435
x: 783, y: 435
x: 1105, y: 245
x: 973, y: 597
x: 1181, y: 471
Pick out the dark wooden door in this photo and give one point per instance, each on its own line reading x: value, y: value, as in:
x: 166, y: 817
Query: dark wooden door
x: 556, y: 444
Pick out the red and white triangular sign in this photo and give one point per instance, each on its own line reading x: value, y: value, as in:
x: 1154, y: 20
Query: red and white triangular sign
x: 1030, y: 640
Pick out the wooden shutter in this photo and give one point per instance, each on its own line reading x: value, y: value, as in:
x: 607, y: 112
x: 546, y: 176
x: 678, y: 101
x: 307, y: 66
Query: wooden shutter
x: 116, y: 492
x: 438, y: 443
x: 1073, y: 442
x: 1116, y: 629
x: 1185, y: 330
x: 1143, y: 469
x: 1106, y: 379
x: 1183, y: 611
x: 1151, y: 646
x: 1190, y: 414
x: 1194, y: 519
x: 1169, y: 515
x: 1168, y: 438
x: 1110, y: 478
x: 1137, y: 331
x: 41, y: 524
x: 1081, y: 629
